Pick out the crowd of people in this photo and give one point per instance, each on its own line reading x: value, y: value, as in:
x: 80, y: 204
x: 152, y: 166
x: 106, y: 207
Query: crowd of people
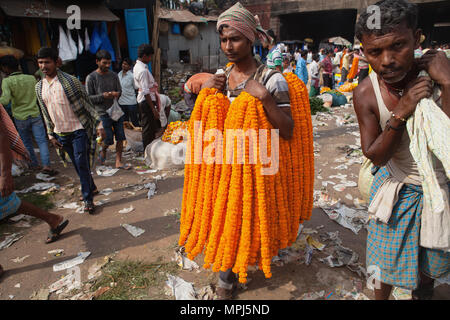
x: 61, y: 110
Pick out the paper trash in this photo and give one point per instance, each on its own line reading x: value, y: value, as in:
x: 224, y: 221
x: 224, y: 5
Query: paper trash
x: 79, y: 259
x: 184, y: 262
x: 181, y: 289
x: 349, y: 218
x: 44, y: 177
x: 40, y: 186
x: 106, y: 192
x: 105, y: 171
x: 151, y: 189
x: 401, y: 294
x: 314, y: 243
x: 9, y: 240
x: 19, y: 260
x: 127, y: 210
x: 69, y: 282
x: 134, y: 231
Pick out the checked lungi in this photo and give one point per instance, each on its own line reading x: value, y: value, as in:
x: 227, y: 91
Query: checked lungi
x: 394, y: 247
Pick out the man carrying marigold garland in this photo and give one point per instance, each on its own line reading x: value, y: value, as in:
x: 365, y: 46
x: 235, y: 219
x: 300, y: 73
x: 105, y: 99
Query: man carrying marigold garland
x: 238, y: 30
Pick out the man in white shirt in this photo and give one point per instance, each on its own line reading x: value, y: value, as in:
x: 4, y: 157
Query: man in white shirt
x: 148, y: 98
x: 127, y: 99
x: 314, y: 70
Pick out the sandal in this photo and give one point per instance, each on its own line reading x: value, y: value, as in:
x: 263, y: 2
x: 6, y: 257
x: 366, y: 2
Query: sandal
x: 54, y: 234
x: 89, y: 207
x: 50, y: 172
x: 125, y: 167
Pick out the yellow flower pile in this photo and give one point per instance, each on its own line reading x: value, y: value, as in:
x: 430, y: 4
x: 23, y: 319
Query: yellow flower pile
x: 347, y: 87
x: 231, y: 212
x: 324, y: 89
x: 171, y: 127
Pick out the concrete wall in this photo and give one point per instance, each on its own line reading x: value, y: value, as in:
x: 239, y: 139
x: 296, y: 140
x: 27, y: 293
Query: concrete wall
x: 172, y: 44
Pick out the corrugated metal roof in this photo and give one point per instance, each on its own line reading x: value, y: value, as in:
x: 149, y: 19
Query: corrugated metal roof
x: 38, y: 9
x: 184, y: 16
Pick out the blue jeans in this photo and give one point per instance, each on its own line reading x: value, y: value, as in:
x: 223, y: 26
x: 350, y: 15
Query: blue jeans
x: 131, y: 114
x: 35, y: 127
x: 76, y: 145
x: 108, y: 125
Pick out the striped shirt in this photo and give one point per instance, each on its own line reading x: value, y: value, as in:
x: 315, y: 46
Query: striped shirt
x: 59, y: 108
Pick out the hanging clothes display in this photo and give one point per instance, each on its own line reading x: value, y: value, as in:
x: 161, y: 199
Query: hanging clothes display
x: 80, y: 44
x: 64, y: 47
x: 87, y: 41
x: 106, y: 43
x: 96, y: 40
x: 73, y: 45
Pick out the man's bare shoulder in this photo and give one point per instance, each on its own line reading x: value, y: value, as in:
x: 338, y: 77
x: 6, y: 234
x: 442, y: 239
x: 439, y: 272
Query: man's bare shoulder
x: 364, y: 96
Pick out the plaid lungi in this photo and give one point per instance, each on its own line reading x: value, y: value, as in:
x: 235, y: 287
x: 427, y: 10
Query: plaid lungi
x: 394, y: 247
x: 9, y: 205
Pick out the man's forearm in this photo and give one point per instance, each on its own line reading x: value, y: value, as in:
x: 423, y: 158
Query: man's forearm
x: 445, y: 97
x: 278, y: 118
x: 149, y: 100
x: 382, y: 149
x: 5, y: 154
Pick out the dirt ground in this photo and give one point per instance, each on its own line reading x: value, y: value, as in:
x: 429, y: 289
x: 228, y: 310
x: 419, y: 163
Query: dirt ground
x: 102, y: 234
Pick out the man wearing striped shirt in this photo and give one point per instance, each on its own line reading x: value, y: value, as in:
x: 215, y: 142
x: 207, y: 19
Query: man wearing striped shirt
x: 71, y: 119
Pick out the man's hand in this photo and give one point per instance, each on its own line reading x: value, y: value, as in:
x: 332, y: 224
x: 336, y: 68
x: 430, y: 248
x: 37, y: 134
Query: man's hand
x: 437, y: 65
x: 415, y: 91
x: 108, y: 95
x: 218, y: 81
x: 6, y: 185
x: 257, y: 90
x: 115, y: 94
x: 56, y: 143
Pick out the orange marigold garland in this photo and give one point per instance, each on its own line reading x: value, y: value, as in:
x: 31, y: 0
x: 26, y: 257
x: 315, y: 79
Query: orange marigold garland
x: 232, y: 212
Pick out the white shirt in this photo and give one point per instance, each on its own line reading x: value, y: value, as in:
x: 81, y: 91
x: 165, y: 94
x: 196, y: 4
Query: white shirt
x: 143, y: 80
x: 128, y: 96
x: 314, y: 69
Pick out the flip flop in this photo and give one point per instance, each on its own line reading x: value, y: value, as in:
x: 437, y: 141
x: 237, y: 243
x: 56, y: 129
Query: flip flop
x: 50, y: 172
x: 125, y: 167
x: 53, y: 234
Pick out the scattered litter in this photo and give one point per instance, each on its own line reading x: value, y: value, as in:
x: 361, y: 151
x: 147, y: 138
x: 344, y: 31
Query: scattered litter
x: 40, y: 186
x: 134, y: 231
x: 95, y: 270
x: 349, y: 196
x: 101, y: 202
x: 354, y: 295
x: 44, y: 177
x: 206, y: 293
x: 19, y: 260
x: 442, y: 280
x: 56, y: 252
x: 151, y: 189
x: 127, y: 210
x: 172, y: 212
x: 326, y: 183
x: 349, y: 218
x: 69, y: 282
x: 401, y: 294
x: 146, y: 171
x: 17, y: 218
x: 42, y: 294
x: 11, y: 296
x: 184, y: 262
x: 286, y: 256
x: 9, y: 240
x: 339, y: 187
x: 308, y: 255
x: 181, y: 289
x: 71, y: 205
x: 23, y: 224
x: 16, y: 171
x: 343, y: 256
x: 106, y: 192
x: 313, y: 295
x: 72, y: 262
x: 106, y: 171
x: 315, y: 243
x: 341, y: 167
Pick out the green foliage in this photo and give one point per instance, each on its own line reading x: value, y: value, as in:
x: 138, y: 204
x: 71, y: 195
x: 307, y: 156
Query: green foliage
x: 316, y: 105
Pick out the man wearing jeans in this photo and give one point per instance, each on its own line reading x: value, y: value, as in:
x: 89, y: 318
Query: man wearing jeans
x: 71, y: 119
x: 18, y: 88
x: 103, y: 86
